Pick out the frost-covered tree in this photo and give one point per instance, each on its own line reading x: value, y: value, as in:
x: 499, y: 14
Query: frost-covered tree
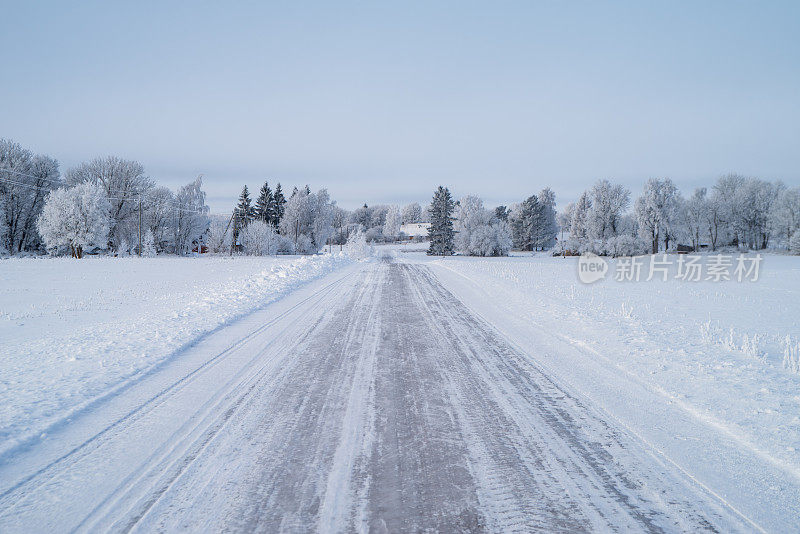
x: 190, y: 221
x: 546, y: 232
x: 794, y: 244
x: 725, y: 196
x: 785, y: 215
x: 694, y: 213
x: 756, y: 201
x: 371, y: 220
x: 441, y: 232
x: 280, y: 204
x: 340, y: 226
x: 259, y: 239
x: 220, y: 234
x: 470, y: 215
x: 322, y: 227
x: 391, y: 224
x: 526, y: 221
x: 492, y: 239
x: 625, y: 245
x: 159, y: 216
x: 501, y: 213
x: 3, y: 231
x: 265, y: 205
x: 244, y: 208
x: 357, y: 246
x: 75, y: 217
x: 25, y: 180
x: 656, y: 211
x: 361, y: 217
x: 579, y: 225
x: 744, y: 206
x: 310, y: 215
x: 478, y: 231
x: 425, y: 216
x: 297, y: 217
x: 714, y: 219
x: 148, y: 245
x: 609, y: 202
x: 412, y: 213
x: 378, y: 214
x: 125, y: 184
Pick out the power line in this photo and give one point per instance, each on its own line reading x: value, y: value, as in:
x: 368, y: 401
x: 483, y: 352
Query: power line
x: 172, y: 204
x: 132, y: 196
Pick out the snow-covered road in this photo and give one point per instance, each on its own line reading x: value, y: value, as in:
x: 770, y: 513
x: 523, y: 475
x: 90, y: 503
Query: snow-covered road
x: 372, y: 400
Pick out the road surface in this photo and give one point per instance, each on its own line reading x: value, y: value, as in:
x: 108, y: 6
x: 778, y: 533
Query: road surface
x: 373, y: 401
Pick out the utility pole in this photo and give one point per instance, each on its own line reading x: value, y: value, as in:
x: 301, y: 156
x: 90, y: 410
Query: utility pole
x: 235, y: 219
x: 140, y: 226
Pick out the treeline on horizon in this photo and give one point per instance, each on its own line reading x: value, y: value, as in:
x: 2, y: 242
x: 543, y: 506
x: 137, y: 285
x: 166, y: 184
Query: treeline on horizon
x: 109, y: 205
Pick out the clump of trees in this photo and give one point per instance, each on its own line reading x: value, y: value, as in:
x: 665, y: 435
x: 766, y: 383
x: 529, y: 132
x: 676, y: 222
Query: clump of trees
x: 478, y: 231
x: 302, y: 224
x: 533, y: 222
x: 41, y: 211
x: 736, y: 212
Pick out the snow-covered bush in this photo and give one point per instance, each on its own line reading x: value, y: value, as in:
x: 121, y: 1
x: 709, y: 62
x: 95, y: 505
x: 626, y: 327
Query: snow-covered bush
x: 76, y: 217
x: 624, y: 245
x: 305, y: 245
x: 284, y: 245
x: 259, y: 239
x: 357, y: 246
x: 491, y: 240
x: 794, y: 243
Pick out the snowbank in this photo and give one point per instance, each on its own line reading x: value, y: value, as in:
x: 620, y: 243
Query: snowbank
x: 71, y: 330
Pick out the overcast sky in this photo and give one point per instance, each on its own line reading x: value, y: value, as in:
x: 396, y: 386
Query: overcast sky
x: 382, y: 103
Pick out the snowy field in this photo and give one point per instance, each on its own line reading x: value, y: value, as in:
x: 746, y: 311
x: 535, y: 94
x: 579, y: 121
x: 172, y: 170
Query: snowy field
x: 72, y: 331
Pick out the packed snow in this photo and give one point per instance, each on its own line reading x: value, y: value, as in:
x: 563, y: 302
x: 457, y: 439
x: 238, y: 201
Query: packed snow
x: 75, y: 330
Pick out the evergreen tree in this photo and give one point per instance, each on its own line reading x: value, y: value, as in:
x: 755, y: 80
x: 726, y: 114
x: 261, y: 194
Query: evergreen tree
x: 280, y: 205
x: 265, y: 205
x: 526, y: 221
x: 441, y: 230
x: 501, y: 212
x: 245, y: 208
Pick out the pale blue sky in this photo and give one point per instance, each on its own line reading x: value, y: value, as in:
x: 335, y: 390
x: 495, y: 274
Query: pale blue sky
x: 382, y: 102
